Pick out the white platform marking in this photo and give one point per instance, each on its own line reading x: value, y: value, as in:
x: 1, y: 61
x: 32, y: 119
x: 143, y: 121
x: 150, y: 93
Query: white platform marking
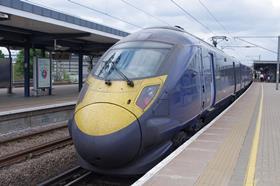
x: 17, y: 111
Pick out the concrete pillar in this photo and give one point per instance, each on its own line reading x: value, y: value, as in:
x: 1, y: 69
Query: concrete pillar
x: 80, y: 71
x: 26, y: 71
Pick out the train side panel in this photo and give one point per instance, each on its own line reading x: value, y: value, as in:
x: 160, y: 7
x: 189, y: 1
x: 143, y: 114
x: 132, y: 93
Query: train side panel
x: 238, y: 76
x: 224, y: 77
x: 246, y: 75
x: 185, y: 96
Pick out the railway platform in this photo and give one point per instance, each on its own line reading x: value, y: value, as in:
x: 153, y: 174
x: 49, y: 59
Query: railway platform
x: 241, y: 146
x: 16, y: 101
x: 19, y: 114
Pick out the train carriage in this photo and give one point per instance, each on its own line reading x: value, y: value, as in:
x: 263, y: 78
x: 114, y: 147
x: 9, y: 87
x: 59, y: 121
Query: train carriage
x: 146, y: 92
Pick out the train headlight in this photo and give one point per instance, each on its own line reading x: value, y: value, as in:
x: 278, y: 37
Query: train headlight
x: 146, y: 96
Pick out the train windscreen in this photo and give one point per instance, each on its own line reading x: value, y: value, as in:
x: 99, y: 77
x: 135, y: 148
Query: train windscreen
x: 134, y: 59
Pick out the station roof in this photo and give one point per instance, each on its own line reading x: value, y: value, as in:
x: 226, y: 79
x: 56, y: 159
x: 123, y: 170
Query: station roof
x: 41, y: 28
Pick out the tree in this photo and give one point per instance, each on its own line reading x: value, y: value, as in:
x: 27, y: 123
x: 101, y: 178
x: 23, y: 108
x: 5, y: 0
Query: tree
x: 19, y: 66
x: 2, y: 56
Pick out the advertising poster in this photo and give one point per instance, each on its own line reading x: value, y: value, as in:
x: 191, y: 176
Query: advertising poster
x: 44, y: 73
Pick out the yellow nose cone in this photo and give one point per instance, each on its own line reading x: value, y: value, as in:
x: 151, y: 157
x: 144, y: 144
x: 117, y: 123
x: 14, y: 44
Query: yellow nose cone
x: 102, y: 119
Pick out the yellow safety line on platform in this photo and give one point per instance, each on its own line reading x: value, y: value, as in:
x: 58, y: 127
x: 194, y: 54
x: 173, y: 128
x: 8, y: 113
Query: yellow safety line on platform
x: 251, y: 168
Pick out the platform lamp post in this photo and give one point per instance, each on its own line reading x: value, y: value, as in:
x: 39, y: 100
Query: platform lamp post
x: 278, y: 61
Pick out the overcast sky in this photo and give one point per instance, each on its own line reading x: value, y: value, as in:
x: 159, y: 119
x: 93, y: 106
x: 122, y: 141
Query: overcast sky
x: 238, y: 17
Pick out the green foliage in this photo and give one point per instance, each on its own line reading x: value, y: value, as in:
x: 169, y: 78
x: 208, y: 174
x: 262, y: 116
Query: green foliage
x: 66, y: 76
x: 19, y: 66
x: 2, y: 56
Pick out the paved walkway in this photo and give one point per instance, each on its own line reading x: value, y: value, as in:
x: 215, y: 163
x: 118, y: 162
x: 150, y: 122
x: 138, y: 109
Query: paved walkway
x: 268, y: 159
x: 61, y: 94
x: 223, y: 154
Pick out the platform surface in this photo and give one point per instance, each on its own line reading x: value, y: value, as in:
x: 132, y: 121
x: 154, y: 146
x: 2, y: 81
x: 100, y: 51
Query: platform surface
x: 240, y: 147
x: 61, y: 94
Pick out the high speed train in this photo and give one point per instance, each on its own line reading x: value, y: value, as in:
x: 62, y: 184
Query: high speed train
x: 145, y: 93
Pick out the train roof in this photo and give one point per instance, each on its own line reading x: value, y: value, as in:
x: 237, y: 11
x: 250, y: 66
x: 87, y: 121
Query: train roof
x: 174, y: 35
x: 196, y: 39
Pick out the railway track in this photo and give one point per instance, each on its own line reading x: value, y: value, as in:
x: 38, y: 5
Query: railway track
x: 32, y: 134
x: 68, y: 177
x: 27, y: 153
x: 82, y: 177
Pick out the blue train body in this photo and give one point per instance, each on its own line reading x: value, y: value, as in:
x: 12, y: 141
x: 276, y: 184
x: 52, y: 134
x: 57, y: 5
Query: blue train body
x: 199, y: 78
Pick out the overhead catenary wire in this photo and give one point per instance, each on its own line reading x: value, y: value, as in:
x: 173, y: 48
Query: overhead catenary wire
x: 257, y: 37
x: 145, y: 12
x: 214, y: 17
x: 218, y: 22
x: 256, y: 45
x: 104, y: 13
x: 191, y: 16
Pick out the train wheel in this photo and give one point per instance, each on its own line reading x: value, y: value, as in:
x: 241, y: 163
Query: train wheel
x: 233, y: 97
x: 198, y: 125
x: 179, y: 139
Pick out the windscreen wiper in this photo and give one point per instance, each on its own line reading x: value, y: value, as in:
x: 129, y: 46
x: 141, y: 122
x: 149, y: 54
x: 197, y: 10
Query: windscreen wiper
x: 106, y: 63
x: 129, y: 81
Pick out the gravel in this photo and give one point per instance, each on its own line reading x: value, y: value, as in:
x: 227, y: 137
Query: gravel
x: 28, y: 131
x: 17, y: 145
x: 36, y: 170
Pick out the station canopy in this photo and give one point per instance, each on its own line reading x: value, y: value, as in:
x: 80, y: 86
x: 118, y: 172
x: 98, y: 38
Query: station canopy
x: 23, y: 24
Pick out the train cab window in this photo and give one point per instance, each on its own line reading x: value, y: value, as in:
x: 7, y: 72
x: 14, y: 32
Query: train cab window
x: 191, y: 75
x: 194, y: 64
x: 134, y: 59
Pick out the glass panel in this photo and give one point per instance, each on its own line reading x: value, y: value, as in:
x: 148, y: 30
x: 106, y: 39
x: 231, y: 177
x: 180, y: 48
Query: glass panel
x: 134, y: 59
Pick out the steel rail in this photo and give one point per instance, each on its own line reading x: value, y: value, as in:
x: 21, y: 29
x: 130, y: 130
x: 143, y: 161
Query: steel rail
x: 68, y: 177
x: 32, y: 134
x: 34, y: 151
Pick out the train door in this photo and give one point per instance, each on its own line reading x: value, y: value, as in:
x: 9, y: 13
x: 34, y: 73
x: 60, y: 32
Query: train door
x: 234, y: 76
x: 213, y: 82
x: 241, y: 76
x: 208, y: 80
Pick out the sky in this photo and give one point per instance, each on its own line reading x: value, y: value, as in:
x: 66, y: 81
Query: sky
x: 233, y: 18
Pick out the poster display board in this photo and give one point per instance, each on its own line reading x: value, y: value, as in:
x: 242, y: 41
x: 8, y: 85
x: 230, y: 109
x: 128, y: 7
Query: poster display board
x: 42, y: 73
x: 5, y: 73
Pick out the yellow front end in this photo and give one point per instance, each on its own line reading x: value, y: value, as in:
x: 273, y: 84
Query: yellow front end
x: 104, y: 109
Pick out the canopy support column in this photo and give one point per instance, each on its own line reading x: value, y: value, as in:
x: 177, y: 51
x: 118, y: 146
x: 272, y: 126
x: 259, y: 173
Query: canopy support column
x: 80, y: 71
x: 10, y: 91
x: 27, y: 71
